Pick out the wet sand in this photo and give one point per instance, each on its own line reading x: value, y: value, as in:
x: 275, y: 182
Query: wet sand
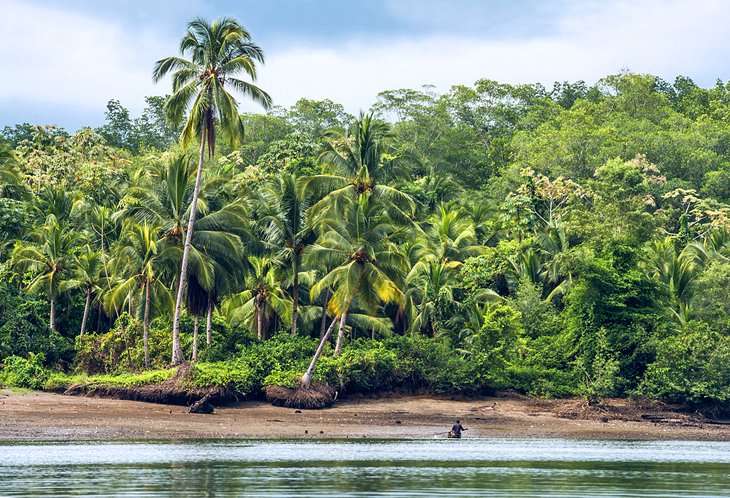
x: 45, y: 416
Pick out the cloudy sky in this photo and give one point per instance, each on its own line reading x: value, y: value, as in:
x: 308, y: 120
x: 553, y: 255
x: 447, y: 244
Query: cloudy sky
x: 62, y: 61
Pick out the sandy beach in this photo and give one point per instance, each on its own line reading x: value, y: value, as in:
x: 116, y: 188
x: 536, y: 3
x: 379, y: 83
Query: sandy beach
x: 45, y: 416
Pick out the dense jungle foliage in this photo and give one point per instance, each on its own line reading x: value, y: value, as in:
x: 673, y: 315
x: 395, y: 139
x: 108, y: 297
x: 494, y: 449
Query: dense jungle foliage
x: 564, y: 241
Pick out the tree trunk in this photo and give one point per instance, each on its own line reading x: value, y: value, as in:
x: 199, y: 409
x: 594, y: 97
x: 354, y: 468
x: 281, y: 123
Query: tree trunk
x: 341, y: 333
x: 86, y: 311
x: 323, y: 324
x: 146, y: 324
x: 372, y: 334
x: 307, y: 377
x: 195, y: 339
x: 177, y: 355
x: 259, y: 321
x: 53, y: 313
x: 209, y: 322
x: 295, y: 306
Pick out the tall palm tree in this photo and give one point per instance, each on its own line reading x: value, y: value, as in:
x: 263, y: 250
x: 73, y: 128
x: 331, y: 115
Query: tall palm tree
x: 366, y: 263
x: 51, y: 260
x: 218, y: 51
x: 286, y: 227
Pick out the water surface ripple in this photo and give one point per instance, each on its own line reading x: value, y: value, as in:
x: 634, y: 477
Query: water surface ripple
x: 470, y: 467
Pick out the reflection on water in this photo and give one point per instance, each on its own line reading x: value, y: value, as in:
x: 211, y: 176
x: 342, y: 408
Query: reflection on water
x: 476, y: 467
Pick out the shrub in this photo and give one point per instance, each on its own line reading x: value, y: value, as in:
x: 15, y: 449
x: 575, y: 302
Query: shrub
x: 691, y: 366
x: 22, y: 372
x: 234, y: 375
x: 283, y: 378
x: 366, y: 369
x: 122, y: 348
x: 24, y: 328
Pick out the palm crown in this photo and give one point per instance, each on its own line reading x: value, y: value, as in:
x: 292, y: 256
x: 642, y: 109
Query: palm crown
x: 218, y: 51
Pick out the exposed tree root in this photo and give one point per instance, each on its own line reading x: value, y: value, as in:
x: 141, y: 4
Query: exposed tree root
x: 314, y: 397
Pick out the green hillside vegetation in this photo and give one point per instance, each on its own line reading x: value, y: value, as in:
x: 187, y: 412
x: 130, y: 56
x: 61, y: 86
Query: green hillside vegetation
x: 565, y: 241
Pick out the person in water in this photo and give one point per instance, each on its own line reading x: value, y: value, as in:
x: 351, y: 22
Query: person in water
x: 456, y: 430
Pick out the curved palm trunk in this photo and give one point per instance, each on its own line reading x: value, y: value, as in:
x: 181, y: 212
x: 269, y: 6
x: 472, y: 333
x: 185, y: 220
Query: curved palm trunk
x: 195, y: 339
x: 177, y: 355
x: 146, y: 324
x: 209, y: 322
x: 323, y: 324
x: 86, y: 311
x: 307, y: 377
x: 341, y: 332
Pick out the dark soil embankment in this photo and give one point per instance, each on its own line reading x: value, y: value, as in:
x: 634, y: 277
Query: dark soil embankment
x: 175, y: 391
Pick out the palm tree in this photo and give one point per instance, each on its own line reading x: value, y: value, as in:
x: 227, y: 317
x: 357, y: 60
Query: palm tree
x: 218, y: 51
x: 138, y: 260
x: 50, y: 258
x: 678, y: 271
x: 89, y: 267
x: 448, y: 239
x: 366, y: 262
x: 263, y: 297
x: 363, y: 160
x: 286, y: 228
x: 448, y: 236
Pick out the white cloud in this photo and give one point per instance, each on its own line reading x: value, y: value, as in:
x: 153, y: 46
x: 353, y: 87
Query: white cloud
x: 79, y: 62
x: 666, y: 38
x: 50, y: 56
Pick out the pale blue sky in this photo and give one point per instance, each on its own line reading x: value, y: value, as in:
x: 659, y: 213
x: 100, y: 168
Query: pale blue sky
x: 62, y: 61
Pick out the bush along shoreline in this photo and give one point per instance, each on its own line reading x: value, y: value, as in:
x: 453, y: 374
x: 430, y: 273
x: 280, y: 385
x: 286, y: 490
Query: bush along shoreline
x: 272, y: 370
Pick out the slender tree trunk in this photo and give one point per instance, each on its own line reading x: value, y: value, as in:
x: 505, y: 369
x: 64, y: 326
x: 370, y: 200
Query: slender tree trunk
x: 177, y: 355
x: 372, y: 334
x: 259, y: 321
x: 295, y: 306
x: 53, y: 313
x: 195, y: 339
x: 86, y: 311
x: 341, y: 332
x: 323, y: 324
x: 126, y: 342
x: 307, y: 377
x: 209, y: 322
x: 146, y: 324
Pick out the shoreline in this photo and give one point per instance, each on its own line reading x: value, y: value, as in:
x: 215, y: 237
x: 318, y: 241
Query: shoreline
x: 41, y: 416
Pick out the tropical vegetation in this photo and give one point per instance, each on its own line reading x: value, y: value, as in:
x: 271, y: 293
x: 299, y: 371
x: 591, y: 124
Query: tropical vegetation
x: 564, y: 241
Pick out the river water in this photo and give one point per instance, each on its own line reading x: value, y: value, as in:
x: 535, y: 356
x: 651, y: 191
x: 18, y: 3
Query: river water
x: 418, y: 468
